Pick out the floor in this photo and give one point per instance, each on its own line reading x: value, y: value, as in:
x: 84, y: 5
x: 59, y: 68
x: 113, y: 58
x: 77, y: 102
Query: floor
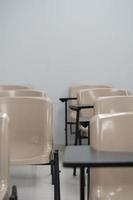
x: 34, y: 183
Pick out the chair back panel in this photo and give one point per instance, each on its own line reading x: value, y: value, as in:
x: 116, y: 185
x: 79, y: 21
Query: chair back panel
x: 112, y: 132
x: 4, y: 156
x: 30, y: 126
x: 22, y: 92
x: 73, y: 92
x: 89, y: 96
x: 14, y: 87
x: 113, y: 104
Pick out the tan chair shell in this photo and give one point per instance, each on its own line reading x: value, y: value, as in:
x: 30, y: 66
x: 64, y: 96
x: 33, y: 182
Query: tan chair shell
x: 112, y: 132
x: 73, y: 92
x: 113, y: 104
x: 30, y: 129
x: 89, y: 96
x: 4, y: 157
x: 14, y: 87
x: 22, y: 92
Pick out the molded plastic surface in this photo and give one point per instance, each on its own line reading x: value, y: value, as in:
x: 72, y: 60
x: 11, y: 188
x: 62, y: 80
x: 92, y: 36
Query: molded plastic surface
x: 73, y: 92
x: 112, y: 132
x: 22, y: 92
x: 114, y: 104
x: 14, y: 87
x: 30, y: 128
x: 4, y: 157
x: 89, y: 96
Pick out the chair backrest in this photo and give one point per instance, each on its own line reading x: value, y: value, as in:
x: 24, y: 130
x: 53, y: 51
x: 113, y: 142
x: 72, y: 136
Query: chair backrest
x: 73, y: 92
x: 89, y: 96
x: 4, y: 157
x: 112, y: 132
x: 113, y: 104
x: 30, y: 128
x: 22, y: 92
x: 14, y: 87
x: 116, y: 131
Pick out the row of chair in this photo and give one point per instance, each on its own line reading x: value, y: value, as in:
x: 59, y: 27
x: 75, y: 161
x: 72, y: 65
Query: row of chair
x: 26, y: 121
x: 112, y: 133
x: 30, y: 135
x: 87, y: 95
x: 111, y: 130
x: 91, y: 96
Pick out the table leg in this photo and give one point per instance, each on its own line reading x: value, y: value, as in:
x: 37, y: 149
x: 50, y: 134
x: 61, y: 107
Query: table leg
x: 82, y: 183
x: 66, y: 142
x: 77, y: 128
x: 89, y: 133
x: 76, y: 136
x: 88, y: 184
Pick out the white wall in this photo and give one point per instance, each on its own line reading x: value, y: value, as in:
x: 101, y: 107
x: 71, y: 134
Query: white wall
x: 52, y: 44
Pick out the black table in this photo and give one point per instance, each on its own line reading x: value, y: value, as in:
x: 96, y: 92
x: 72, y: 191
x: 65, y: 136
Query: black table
x: 77, y: 108
x: 85, y: 157
x: 65, y: 100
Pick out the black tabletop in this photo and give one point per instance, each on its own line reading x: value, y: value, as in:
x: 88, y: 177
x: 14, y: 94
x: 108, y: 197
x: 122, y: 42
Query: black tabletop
x: 85, y: 156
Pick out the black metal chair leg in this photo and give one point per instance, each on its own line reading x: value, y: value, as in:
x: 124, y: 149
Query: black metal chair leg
x: 57, y: 177
x: 77, y: 128
x: 11, y: 198
x: 88, y: 185
x: 14, y: 195
x: 82, y: 184
x: 66, y: 135
x: 76, y: 136
x: 52, y: 171
x: 74, y: 171
x: 80, y: 138
x: 89, y: 133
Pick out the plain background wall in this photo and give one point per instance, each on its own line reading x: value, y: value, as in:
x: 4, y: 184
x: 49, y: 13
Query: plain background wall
x: 52, y: 44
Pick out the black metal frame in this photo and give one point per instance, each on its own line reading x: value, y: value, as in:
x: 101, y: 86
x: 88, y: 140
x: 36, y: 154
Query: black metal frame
x: 82, y: 121
x: 65, y: 100
x: 96, y: 159
x: 55, y: 173
x: 56, y: 177
x: 14, y: 195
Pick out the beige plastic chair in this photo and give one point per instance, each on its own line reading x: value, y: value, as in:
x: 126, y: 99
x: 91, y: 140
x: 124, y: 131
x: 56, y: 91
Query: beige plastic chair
x: 22, y: 92
x: 30, y: 129
x: 4, y: 157
x: 73, y: 92
x: 89, y: 96
x: 31, y: 133
x: 113, y: 104
x: 14, y: 87
x: 70, y: 115
x: 112, y: 132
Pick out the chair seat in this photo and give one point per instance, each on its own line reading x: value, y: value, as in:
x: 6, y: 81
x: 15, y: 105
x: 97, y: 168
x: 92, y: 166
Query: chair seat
x: 30, y: 154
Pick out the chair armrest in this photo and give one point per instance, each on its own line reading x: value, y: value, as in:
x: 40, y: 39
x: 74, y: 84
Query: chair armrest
x: 81, y: 106
x: 65, y: 99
